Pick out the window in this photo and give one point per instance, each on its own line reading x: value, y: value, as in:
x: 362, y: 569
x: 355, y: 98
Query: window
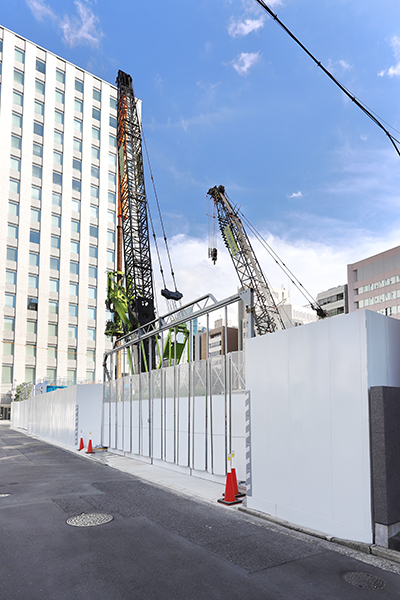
x: 96, y: 114
x: 60, y: 76
x: 91, y: 334
x: 55, y: 242
x: 52, y: 352
x: 59, y: 97
x: 111, y: 197
x: 78, y: 125
x: 58, y: 137
x: 19, y: 56
x: 93, y: 251
x: 58, y: 158
x: 18, y: 77
x: 93, y: 272
x: 75, y: 226
x: 113, y: 103
x: 12, y: 254
x: 93, y: 231
x: 12, y: 231
x: 78, y: 105
x: 30, y: 374
x: 94, y: 211
x: 37, y: 171
x: 113, y: 141
x: 56, y: 199
x: 54, y: 263
x: 110, y: 256
x: 77, y: 165
x: 7, y: 374
x: 57, y: 178
x: 32, y: 304
x: 16, y: 120
x: 74, y: 247
x: 55, y: 220
x: 40, y: 66
x: 73, y: 289
x: 92, y: 293
x: 15, y: 163
x: 95, y: 133
x: 34, y: 236
x: 91, y: 355
x: 76, y: 205
x: 73, y: 310
x: 14, y: 186
x: 71, y: 377
x: 39, y: 87
x: 37, y: 150
x: 95, y: 152
x: 79, y: 85
x: 31, y: 327
x: 54, y: 285
x: 94, y: 191
x: 8, y: 349
x: 74, y: 268
x: 30, y: 350
x: 39, y: 108
x: 16, y: 142
x: 76, y: 185
x: 9, y: 324
x: 112, y: 179
x: 18, y: 99
x: 71, y: 353
x: 72, y: 331
x: 36, y: 193
x: 91, y: 313
x: 11, y: 277
x: 110, y: 236
x: 51, y: 375
x: 77, y: 145
x: 111, y: 216
x: 13, y: 209
x: 9, y: 300
x: 113, y: 122
x: 38, y: 129
x: 33, y: 259
x: 97, y: 95
x: 33, y: 281
x: 53, y: 307
x: 35, y: 215
x: 52, y: 329
x: 59, y: 117
x: 112, y: 159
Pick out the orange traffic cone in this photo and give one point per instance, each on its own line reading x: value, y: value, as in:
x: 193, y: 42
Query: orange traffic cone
x: 90, y: 448
x: 235, y: 484
x: 81, y: 444
x: 229, y: 496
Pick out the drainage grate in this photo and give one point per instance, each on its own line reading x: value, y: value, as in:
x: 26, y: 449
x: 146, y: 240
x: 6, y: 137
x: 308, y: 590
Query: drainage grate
x: 89, y: 519
x: 365, y: 581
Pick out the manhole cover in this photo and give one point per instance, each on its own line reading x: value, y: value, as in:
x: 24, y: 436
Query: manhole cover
x: 365, y: 581
x: 89, y: 519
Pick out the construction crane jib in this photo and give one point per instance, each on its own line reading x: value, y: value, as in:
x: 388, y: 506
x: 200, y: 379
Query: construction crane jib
x: 267, y: 318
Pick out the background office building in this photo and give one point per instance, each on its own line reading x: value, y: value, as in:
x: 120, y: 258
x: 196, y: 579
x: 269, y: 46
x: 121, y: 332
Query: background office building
x: 58, y: 201
x: 374, y: 283
x: 334, y: 301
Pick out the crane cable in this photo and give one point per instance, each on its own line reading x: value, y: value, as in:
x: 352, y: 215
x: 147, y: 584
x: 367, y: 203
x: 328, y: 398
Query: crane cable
x: 353, y: 98
x: 161, y: 221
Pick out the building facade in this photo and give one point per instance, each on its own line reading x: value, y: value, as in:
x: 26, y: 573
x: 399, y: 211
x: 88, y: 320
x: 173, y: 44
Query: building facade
x: 335, y: 300
x: 58, y: 200
x: 374, y: 283
x: 221, y: 340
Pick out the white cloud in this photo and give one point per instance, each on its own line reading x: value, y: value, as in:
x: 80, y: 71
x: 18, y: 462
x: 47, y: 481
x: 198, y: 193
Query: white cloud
x: 296, y: 195
x: 40, y: 10
x: 333, y: 66
x: 82, y: 28
x: 245, y: 61
x: 244, y: 27
x: 393, y: 71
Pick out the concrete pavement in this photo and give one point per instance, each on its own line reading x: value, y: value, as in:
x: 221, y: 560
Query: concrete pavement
x: 159, y: 545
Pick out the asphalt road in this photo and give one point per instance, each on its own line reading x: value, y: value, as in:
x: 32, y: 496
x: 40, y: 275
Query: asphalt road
x: 159, y: 545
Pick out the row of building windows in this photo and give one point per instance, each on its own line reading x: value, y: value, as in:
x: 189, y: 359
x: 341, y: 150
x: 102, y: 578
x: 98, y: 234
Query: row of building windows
x: 377, y: 299
x: 30, y: 374
x: 378, y: 284
x: 8, y: 347
x: 54, y: 286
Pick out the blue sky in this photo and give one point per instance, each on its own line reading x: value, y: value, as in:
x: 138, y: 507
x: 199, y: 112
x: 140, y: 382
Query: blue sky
x: 228, y: 98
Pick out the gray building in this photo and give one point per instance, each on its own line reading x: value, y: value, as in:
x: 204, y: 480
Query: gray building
x: 334, y: 301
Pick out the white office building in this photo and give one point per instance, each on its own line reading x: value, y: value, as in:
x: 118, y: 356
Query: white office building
x: 58, y: 201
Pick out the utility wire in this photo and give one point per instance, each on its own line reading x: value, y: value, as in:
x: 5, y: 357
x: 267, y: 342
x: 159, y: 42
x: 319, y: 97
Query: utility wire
x: 360, y: 105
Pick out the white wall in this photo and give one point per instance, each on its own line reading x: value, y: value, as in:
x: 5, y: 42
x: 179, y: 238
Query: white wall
x: 309, y: 419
